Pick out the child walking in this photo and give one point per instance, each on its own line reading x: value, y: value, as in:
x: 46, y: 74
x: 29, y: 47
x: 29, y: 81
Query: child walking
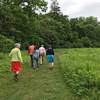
x: 50, y: 57
x: 36, y: 57
x: 16, y: 61
x: 30, y: 52
x: 42, y: 53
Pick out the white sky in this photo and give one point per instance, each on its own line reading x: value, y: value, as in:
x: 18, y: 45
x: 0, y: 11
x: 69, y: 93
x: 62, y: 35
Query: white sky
x: 77, y: 8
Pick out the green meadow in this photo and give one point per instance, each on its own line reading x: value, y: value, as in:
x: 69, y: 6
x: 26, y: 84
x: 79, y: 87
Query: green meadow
x: 76, y: 76
x: 81, y: 71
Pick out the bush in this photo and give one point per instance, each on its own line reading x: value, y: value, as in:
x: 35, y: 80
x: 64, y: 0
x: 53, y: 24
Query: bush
x: 5, y: 43
x: 81, y: 71
x: 36, y: 39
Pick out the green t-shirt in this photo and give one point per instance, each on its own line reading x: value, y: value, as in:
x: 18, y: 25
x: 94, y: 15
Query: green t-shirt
x: 15, y: 55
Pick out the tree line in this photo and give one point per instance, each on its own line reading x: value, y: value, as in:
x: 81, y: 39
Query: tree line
x: 27, y: 21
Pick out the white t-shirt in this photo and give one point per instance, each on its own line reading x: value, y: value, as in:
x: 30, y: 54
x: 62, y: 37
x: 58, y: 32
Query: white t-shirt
x: 42, y: 50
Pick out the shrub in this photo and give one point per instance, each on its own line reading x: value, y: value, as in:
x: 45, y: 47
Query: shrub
x: 5, y: 43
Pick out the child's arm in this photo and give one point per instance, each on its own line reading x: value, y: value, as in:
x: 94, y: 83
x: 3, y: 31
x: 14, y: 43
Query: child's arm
x: 44, y: 51
x: 10, y: 53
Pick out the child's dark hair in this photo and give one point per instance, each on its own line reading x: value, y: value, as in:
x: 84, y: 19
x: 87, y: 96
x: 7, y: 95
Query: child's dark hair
x: 31, y: 43
x: 36, y: 47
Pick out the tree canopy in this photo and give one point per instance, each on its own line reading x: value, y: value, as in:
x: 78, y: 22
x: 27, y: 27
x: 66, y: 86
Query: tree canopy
x: 24, y: 21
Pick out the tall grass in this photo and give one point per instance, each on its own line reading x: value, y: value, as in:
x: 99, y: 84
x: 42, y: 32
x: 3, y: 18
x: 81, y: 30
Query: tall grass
x: 5, y: 61
x: 81, y: 70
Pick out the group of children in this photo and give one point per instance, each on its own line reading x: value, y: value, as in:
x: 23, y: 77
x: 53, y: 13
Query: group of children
x: 37, y: 55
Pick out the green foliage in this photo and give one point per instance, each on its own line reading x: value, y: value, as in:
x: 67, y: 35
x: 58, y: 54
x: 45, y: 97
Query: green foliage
x: 36, y: 39
x: 55, y: 7
x: 23, y: 20
x: 87, y: 28
x: 80, y: 68
x: 86, y: 42
x: 5, y: 43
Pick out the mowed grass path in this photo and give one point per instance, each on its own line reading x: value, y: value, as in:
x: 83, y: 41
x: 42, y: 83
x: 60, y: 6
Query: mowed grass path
x: 41, y: 84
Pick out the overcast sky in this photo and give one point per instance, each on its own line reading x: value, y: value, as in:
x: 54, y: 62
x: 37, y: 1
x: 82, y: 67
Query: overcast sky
x: 77, y: 8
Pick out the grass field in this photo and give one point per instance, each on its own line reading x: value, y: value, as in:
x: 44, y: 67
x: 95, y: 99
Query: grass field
x: 41, y: 84
x: 81, y: 70
x: 76, y: 76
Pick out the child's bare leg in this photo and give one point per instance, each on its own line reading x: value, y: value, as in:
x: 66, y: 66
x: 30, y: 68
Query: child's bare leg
x: 40, y: 59
x: 16, y: 76
x: 52, y: 64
